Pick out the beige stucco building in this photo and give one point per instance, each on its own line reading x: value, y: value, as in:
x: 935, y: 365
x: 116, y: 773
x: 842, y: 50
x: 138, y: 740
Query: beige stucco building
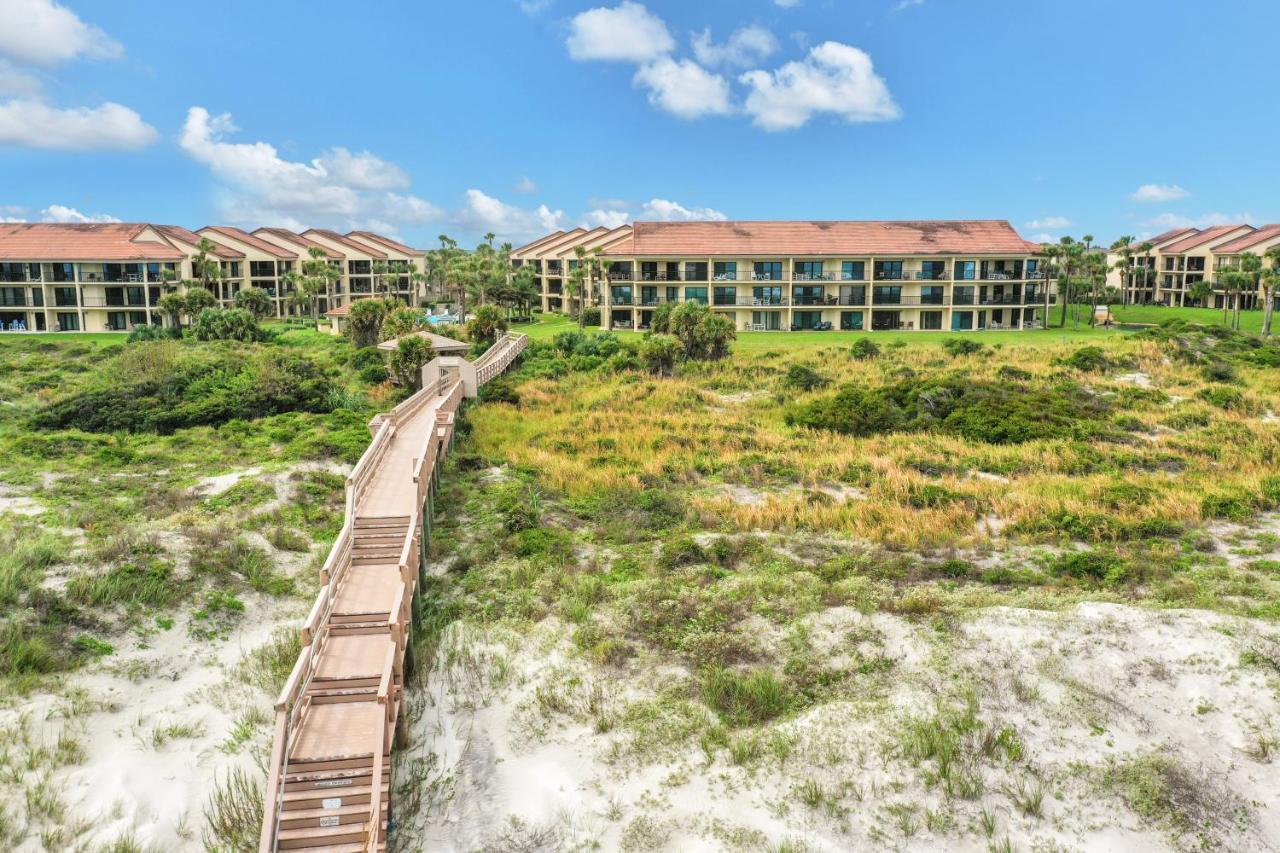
x: 1178, y: 259
x: 917, y: 275
x: 110, y: 277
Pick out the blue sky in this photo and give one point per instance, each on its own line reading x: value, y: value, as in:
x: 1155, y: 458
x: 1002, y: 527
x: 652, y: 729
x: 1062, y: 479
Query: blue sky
x: 519, y: 116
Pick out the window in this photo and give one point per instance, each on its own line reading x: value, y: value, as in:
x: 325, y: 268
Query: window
x: 649, y: 295
x: 726, y: 296
x: 931, y: 320
x: 117, y: 322
x: 68, y: 322
x: 962, y: 295
x: 620, y: 295
x: 966, y: 270
x: 135, y: 296
x: 767, y: 271
x: 806, y: 319
x: 696, y: 294
x: 851, y: 320
x: 853, y: 294
x: 726, y: 270
x: 853, y: 270
x: 649, y: 270
x: 888, y: 270
x: 887, y: 295
x: 37, y: 297
x: 932, y: 295
x: 808, y: 271
x: 885, y: 320
x: 933, y: 270
x: 64, y: 296
x: 356, y: 268
x: 695, y: 271
x: 673, y: 270
x: 770, y: 321
x: 961, y: 320
x: 673, y: 294
x: 813, y: 294
x: 262, y: 269
x: 767, y: 295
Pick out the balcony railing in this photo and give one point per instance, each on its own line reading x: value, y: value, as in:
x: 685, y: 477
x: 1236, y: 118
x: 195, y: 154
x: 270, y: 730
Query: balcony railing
x: 1001, y: 275
x: 889, y: 275
x: 101, y: 302
x: 936, y: 275
x: 14, y: 302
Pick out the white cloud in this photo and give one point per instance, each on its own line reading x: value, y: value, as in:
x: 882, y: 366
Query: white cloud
x: 787, y: 4
x: 1159, y: 193
x: 835, y: 78
x: 607, y: 218
x: 1050, y: 223
x: 1165, y: 221
x: 669, y: 211
x: 1043, y: 238
x: 35, y: 124
x: 533, y: 7
x: 907, y: 4
x: 747, y: 45
x: 526, y: 185
x: 684, y: 88
x: 41, y: 32
x: 484, y: 213
x: 61, y: 213
x: 15, y: 81
x: 628, y: 32
x: 339, y: 188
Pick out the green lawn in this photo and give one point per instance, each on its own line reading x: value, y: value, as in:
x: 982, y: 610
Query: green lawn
x: 1250, y: 321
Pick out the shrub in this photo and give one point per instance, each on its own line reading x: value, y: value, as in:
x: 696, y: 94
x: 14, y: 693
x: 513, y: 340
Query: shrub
x: 153, y: 332
x: 231, y: 324
x: 519, y: 507
x: 956, y: 347
x: 660, y: 353
x: 705, y: 335
x: 1223, y: 397
x: 661, y: 322
x: 374, y: 374
x: 804, y: 378
x: 680, y: 551
x: 591, y: 317
x: 1088, y: 359
x: 864, y: 349
x: 1010, y: 373
x: 407, y: 359
x: 254, y: 300
x: 1234, y: 506
x: 1219, y: 371
x: 486, y: 323
x: 364, y: 323
x: 1091, y: 566
x: 932, y: 496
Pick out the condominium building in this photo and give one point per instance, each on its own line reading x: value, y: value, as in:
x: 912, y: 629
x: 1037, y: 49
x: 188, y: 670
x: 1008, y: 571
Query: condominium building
x: 555, y: 257
x: 1176, y: 261
x: 110, y: 277
x: 807, y: 275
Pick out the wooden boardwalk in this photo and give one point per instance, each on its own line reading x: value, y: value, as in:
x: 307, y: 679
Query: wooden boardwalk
x: 329, y: 778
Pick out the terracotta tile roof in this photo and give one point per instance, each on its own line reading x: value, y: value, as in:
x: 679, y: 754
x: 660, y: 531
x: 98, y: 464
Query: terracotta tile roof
x: 1171, y: 234
x: 591, y: 240
x: 1208, y: 235
x: 298, y: 240
x: 340, y: 311
x: 388, y: 243
x: 1240, y: 244
x: 191, y: 238
x: 801, y: 238
x: 47, y: 241
x: 249, y: 240
x: 335, y: 237
x: 568, y: 241
x: 527, y: 246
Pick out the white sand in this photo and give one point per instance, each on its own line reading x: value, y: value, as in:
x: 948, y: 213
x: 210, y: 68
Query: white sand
x: 1098, y: 682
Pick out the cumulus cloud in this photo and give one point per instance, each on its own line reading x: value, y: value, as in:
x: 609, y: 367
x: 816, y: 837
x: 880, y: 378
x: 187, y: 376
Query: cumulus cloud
x: 62, y: 213
x: 526, y: 185
x: 607, y: 218
x: 34, y: 124
x: 627, y: 32
x: 484, y: 213
x: 44, y: 33
x: 1159, y: 193
x: 1050, y: 223
x: 15, y: 81
x: 745, y: 47
x: 340, y: 187
x: 834, y: 78
x: 684, y: 88
x: 669, y: 211
x: 1165, y: 221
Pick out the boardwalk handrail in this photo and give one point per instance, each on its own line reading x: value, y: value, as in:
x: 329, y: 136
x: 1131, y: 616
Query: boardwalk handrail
x: 293, y: 701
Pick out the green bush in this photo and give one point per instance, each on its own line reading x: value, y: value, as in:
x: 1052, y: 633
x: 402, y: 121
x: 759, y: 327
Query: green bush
x: 864, y: 349
x: 1088, y: 359
x: 591, y: 317
x: 230, y: 324
x: 747, y: 699
x: 1223, y: 397
x: 519, y: 507
x: 1089, y: 566
x: 660, y: 354
x: 804, y: 378
x: 956, y: 347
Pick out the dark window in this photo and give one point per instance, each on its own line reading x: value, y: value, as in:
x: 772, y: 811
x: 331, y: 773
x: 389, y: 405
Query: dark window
x: 932, y: 295
x: 360, y: 267
x: 649, y: 270
x: 810, y: 295
x: 885, y: 320
x: 853, y: 270
x: 806, y: 319
x: 850, y: 320
x: 767, y: 271
x: 962, y: 295
x: 853, y: 294
x: 887, y: 295
x: 262, y: 269
x: 673, y: 294
x: 767, y: 295
x: 649, y: 295
x: 696, y: 294
x: 888, y: 270
x: 621, y: 295
x: 695, y: 271
x: 933, y: 270
x: 725, y: 295
x: 673, y: 270
x: 931, y: 319
x: 770, y: 321
x: 68, y: 322
x: 64, y: 296
x: 966, y: 270
x: 808, y: 271
x: 726, y: 270
x: 961, y: 320
x: 37, y: 297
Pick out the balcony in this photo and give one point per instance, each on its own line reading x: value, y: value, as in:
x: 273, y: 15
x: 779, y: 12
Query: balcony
x: 821, y: 276
x: 1001, y: 275
x: 935, y: 275
x: 111, y: 302
x: 889, y: 275
x: 910, y: 299
x: 13, y: 302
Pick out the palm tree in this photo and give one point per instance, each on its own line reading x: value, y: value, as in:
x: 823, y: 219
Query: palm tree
x: 1200, y: 291
x: 314, y: 280
x: 1124, y: 266
x: 1049, y: 264
x: 1251, y: 270
x: 1270, y: 285
x: 1070, y: 254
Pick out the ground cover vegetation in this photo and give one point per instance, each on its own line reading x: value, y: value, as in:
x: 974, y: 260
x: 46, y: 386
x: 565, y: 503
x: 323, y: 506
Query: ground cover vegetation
x: 848, y: 594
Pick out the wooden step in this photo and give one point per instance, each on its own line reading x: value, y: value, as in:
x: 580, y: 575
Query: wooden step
x: 316, y: 836
x: 313, y: 798
x: 336, y: 780
x: 369, y: 523
x: 325, y: 817
x: 345, y: 848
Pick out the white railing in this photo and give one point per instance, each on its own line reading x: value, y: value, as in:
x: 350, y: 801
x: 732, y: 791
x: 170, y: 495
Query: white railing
x: 293, y: 701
